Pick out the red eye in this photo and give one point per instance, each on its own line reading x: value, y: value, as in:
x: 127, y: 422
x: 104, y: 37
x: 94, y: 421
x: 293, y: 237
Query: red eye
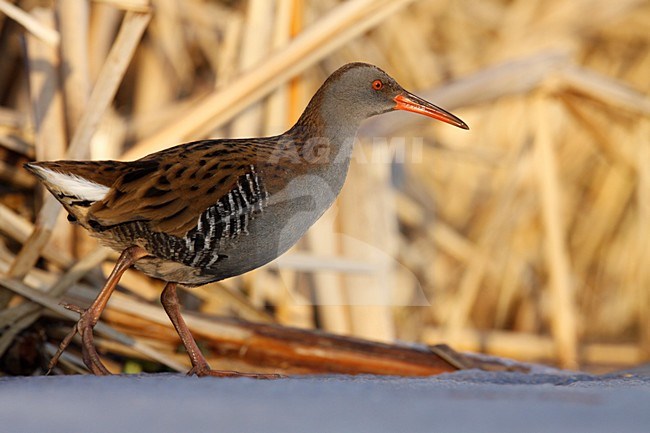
x: 377, y: 85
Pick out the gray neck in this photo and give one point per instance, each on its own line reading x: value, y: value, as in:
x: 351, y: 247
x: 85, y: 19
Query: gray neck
x: 328, y: 131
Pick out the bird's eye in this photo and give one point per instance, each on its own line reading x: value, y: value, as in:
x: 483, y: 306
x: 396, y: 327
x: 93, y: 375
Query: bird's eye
x: 377, y: 85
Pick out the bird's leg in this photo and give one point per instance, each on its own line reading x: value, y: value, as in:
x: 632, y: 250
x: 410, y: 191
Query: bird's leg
x: 90, y: 316
x: 200, y: 365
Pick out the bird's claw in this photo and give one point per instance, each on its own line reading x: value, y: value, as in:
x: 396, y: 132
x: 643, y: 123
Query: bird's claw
x: 83, y: 327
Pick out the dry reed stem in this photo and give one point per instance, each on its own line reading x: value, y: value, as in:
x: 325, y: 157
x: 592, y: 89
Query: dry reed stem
x: 276, y: 116
x: 534, y: 347
x: 494, y: 229
x: 152, y: 91
x: 643, y: 271
x: 197, y: 325
x: 165, y: 29
x: 25, y: 314
x: 44, y: 33
x: 48, y: 112
x: 329, y: 293
x: 19, y: 229
x: 104, y: 22
x: 563, y: 316
x: 591, y: 121
x: 129, y: 5
x: 53, y: 304
x: 15, y: 177
x: 108, y: 81
x: 13, y: 119
x: 370, y: 297
x: 128, y: 352
x: 255, y: 46
x: 285, y: 345
x: 312, y: 262
x: 102, y: 95
x: 218, y: 298
x: 73, y: 20
x: 608, y: 208
x: 47, y: 100
x: 17, y: 145
x: 611, y: 92
x: 35, y: 243
x: 46, y: 96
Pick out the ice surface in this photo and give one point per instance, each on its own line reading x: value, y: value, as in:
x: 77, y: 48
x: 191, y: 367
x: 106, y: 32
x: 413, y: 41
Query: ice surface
x: 469, y: 401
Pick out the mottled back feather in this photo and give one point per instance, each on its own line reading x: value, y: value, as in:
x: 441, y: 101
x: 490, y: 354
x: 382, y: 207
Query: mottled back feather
x: 172, y: 188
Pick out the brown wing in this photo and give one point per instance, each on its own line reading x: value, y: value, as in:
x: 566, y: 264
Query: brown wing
x: 171, y: 189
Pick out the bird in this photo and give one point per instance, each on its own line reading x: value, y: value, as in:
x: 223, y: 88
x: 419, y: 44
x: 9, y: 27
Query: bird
x: 207, y: 210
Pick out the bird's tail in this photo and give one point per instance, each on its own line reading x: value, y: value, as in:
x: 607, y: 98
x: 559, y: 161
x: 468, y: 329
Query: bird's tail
x: 76, y: 184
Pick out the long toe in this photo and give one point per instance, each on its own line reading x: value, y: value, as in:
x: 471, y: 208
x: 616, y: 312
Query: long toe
x: 202, y: 372
x: 89, y: 352
x: 83, y: 327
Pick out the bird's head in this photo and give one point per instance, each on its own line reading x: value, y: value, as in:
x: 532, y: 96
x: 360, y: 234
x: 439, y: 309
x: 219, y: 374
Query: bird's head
x: 361, y: 90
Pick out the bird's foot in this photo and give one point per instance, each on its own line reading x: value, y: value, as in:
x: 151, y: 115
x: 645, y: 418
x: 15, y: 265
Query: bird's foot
x: 207, y: 371
x: 84, y: 327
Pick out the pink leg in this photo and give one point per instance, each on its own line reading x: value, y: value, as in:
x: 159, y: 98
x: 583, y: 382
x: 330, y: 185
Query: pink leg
x: 200, y: 365
x: 90, y: 316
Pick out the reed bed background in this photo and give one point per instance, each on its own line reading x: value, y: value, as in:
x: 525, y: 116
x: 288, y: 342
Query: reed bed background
x: 526, y: 237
